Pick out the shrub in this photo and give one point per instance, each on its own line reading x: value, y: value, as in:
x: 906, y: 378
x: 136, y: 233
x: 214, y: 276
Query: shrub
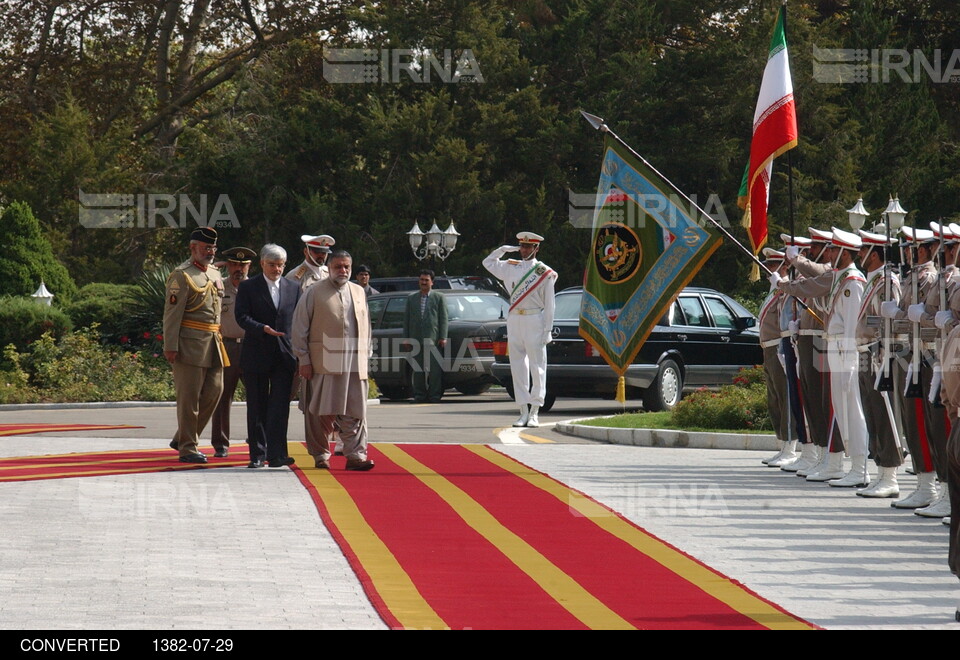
x: 23, y: 321
x: 109, y: 305
x: 14, y: 385
x: 80, y: 368
x: 748, y: 376
x: 735, y: 407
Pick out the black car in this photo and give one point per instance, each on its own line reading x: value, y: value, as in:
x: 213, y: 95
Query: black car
x: 468, y: 356
x: 703, y: 341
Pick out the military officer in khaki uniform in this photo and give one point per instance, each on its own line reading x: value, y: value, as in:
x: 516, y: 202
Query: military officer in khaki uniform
x: 191, y: 341
x: 238, y: 268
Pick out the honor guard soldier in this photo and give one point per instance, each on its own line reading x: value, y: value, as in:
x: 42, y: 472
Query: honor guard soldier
x: 768, y: 322
x: 238, y: 268
x: 949, y: 323
x: 530, y: 321
x: 882, y: 428
x: 191, y: 341
x: 790, y: 312
x: 843, y: 358
x: 313, y: 268
x: 936, y: 301
x: 919, y: 245
x: 813, y: 287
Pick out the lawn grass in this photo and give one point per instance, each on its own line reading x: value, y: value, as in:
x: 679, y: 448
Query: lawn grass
x: 653, y: 420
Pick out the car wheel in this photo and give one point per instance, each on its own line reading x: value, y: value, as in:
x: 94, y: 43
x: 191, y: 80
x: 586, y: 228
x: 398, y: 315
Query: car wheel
x: 548, y: 400
x: 667, y: 388
x: 472, y: 389
x: 395, y: 393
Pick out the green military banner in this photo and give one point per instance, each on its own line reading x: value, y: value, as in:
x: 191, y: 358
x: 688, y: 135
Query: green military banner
x: 648, y: 242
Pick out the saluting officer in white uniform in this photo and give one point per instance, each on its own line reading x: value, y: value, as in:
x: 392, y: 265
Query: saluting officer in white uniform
x: 530, y: 283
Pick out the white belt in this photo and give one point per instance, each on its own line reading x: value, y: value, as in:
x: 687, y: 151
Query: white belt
x: 523, y: 312
x: 809, y: 332
x: 770, y: 343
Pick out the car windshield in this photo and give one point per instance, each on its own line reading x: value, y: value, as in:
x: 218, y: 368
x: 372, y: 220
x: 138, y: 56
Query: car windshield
x: 568, y: 306
x: 475, y: 307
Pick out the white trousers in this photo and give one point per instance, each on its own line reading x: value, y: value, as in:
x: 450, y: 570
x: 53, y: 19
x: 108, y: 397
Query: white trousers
x: 845, y: 396
x: 528, y: 357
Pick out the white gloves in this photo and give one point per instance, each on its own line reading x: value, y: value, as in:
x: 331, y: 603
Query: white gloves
x: 941, y: 319
x: 547, y: 337
x: 914, y: 312
x: 774, y: 279
x: 509, y: 248
x: 791, y: 253
x: 793, y: 327
x: 889, y: 309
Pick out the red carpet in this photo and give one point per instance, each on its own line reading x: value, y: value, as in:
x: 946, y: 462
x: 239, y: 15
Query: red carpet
x: 97, y: 464
x: 462, y: 537
x: 22, y: 429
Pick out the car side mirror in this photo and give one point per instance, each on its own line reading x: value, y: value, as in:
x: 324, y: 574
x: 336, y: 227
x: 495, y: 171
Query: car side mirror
x: 741, y: 323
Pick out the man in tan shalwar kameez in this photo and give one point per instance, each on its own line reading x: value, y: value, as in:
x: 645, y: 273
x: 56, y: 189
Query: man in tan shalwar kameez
x: 331, y: 339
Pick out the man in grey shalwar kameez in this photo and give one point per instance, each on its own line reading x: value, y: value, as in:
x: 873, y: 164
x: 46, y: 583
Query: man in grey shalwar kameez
x: 331, y: 339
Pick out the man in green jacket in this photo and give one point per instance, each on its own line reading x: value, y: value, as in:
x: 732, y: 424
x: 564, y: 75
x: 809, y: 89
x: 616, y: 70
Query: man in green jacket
x: 425, y: 323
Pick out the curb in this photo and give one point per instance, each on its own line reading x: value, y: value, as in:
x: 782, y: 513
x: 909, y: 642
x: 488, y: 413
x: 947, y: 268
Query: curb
x: 667, y: 438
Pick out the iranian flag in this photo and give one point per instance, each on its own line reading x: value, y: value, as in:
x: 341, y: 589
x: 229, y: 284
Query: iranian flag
x: 774, y: 132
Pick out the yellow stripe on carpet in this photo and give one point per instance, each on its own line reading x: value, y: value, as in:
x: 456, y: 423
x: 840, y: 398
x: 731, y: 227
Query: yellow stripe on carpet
x: 720, y: 588
x: 391, y: 582
x: 566, y: 591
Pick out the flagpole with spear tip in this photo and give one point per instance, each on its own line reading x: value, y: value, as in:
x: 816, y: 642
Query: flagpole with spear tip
x: 599, y: 124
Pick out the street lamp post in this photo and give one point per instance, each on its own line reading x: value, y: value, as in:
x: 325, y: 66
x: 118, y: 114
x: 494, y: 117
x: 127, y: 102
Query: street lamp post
x: 435, y: 244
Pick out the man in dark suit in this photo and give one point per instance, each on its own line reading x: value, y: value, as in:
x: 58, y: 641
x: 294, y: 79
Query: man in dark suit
x: 264, y: 309
x: 425, y: 322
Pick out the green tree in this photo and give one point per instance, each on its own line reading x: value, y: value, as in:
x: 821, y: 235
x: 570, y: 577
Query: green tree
x: 27, y: 257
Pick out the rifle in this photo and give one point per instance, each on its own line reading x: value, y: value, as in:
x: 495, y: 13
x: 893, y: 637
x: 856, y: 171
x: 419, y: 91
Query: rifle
x: 937, y: 365
x: 913, y: 389
x: 885, y: 380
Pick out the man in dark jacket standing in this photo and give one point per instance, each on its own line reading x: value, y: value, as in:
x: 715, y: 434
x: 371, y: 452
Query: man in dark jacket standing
x: 264, y: 309
x: 425, y: 322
